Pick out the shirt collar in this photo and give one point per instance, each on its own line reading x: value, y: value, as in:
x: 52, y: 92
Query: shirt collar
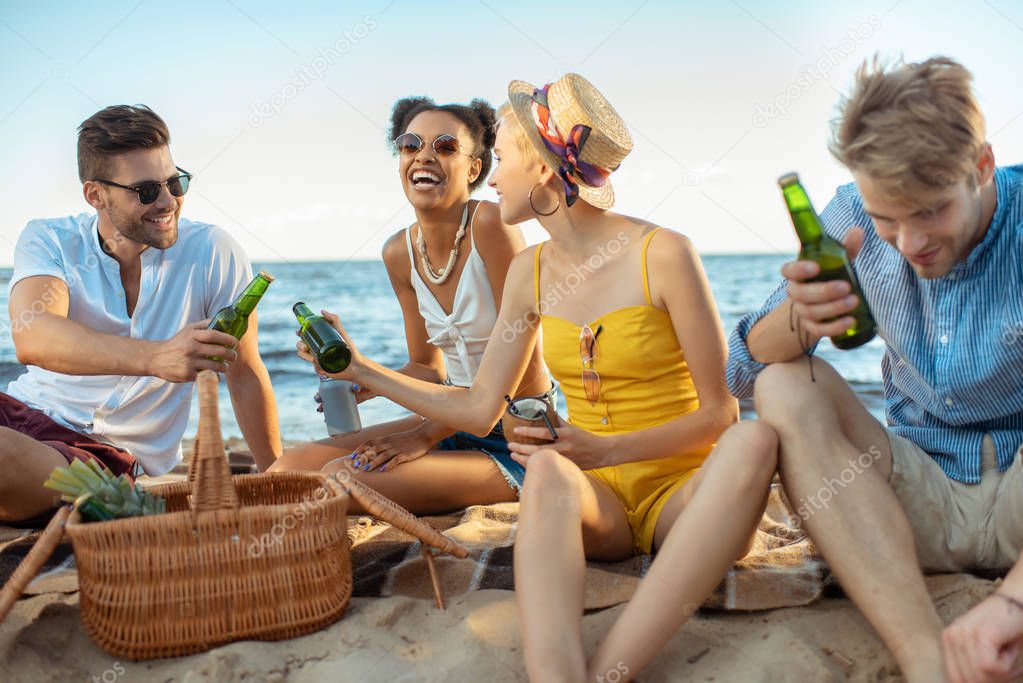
x: 105, y: 260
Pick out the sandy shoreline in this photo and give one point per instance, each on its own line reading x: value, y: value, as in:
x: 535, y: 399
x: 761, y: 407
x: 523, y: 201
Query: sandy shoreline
x: 476, y: 639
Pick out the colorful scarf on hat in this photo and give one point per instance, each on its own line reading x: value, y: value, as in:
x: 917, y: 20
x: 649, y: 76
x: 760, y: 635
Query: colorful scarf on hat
x: 567, y: 149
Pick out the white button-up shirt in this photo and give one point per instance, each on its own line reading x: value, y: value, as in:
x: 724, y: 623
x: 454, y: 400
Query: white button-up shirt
x: 203, y: 272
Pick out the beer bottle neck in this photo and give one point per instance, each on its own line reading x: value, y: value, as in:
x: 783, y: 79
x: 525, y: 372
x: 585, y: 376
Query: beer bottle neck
x: 246, y: 303
x: 303, y: 313
x: 804, y: 218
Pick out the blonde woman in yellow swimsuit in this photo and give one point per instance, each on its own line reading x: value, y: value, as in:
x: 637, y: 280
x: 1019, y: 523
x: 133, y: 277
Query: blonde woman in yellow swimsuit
x: 632, y: 333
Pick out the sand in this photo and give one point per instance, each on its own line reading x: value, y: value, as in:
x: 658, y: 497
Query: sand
x: 400, y: 638
x: 476, y: 639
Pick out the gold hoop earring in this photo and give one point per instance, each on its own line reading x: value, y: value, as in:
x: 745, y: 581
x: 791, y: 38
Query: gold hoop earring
x: 535, y: 210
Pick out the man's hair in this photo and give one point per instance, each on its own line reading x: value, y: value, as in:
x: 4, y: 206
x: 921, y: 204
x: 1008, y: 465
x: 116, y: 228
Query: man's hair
x: 116, y: 130
x: 910, y: 127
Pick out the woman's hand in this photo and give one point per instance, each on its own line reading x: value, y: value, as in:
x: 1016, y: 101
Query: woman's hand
x: 357, y: 360
x: 392, y: 450
x: 587, y: 450
x: 361, y: 394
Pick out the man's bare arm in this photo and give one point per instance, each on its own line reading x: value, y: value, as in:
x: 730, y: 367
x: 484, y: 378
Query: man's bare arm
x: 253, y: 399
x: 44, y: 336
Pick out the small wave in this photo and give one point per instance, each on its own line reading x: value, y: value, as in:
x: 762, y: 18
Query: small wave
x: 9, y: 371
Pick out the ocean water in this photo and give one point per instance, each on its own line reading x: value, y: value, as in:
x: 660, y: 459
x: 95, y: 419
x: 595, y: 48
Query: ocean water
x: 361, y: 293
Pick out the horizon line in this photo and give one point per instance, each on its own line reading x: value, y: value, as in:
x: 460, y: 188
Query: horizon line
x: 10, y: 266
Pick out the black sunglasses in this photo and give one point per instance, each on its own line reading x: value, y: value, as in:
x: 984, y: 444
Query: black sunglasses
x: 535, y: 413
x: 445, y: 145
x: 149, y: 190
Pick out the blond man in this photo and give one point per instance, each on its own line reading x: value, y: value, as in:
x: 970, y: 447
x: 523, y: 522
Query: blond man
x: 936, y: 230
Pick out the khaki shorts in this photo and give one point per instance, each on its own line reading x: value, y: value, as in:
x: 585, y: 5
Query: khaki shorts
x: 960, y: 526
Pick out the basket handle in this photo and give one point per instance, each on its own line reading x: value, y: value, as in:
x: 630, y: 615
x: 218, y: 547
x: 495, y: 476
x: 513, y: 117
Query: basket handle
x: 331, y: 485
x: 208, y: 470
x: 34, y: 561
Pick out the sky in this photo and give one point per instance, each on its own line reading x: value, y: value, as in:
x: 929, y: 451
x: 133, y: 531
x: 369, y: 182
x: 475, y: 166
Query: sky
x: 281, y: 109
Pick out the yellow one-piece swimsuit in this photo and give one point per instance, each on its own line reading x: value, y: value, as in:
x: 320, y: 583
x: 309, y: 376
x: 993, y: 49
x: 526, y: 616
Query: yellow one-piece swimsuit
x: 644, y: 382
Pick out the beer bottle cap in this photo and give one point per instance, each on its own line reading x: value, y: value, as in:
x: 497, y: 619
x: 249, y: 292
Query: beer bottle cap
x: 788, y: 179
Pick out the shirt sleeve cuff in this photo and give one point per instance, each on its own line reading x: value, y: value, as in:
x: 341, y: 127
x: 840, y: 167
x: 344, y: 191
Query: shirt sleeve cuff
x: 742, y: 369
x: 22, y: 274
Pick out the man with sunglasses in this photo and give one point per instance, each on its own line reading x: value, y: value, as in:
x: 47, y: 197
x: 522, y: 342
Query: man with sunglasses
x: 109, y: 311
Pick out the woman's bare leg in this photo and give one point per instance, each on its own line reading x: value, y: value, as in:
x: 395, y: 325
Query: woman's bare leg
x: 438, y: 482
x: 705, y: 526
x: 565, y: 517
x: 313, y: 455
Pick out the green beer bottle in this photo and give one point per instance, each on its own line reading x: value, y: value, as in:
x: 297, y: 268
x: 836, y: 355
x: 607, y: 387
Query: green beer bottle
x: 234, y: 319
x: 323, y: 340
x: 832, y: 258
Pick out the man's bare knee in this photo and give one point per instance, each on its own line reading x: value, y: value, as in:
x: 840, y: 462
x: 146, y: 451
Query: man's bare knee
x: 784, y: 392
x: 25, y: 463
x: 8, y: 440
x: 11, y: 445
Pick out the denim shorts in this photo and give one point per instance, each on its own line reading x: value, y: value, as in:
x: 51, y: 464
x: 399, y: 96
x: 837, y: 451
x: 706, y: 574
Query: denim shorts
x: 493, y: 444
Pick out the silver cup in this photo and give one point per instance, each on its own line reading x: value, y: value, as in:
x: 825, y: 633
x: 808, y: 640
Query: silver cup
x: 340, y: 411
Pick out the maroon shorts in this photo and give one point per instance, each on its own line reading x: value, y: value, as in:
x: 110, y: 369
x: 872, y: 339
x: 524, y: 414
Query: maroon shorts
x: 73, y: 446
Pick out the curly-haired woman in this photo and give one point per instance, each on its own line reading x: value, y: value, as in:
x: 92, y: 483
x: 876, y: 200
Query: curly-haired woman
x: 447, y: 270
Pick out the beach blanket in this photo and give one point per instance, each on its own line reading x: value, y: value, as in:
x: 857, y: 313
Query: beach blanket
x: 781, y: 570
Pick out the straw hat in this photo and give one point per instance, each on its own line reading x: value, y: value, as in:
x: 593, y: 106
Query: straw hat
x: 593, y: 137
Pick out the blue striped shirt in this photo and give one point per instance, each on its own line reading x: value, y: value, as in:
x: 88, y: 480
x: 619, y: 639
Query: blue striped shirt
x: 953, y: 362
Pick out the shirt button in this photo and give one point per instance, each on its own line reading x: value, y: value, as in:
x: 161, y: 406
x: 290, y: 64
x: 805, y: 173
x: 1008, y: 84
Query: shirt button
x: 949, y: 401
x: 943, y: 339
x: 604, y: 420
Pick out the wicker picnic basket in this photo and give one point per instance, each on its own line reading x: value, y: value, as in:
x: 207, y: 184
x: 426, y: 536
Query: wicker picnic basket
x: 253, y: 557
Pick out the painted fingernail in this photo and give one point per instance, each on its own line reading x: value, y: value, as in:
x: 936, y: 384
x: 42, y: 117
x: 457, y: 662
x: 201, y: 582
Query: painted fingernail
x: 354, y: 454
x: 384, y: 468
x: 366, y: 468
x: 356, y: 387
